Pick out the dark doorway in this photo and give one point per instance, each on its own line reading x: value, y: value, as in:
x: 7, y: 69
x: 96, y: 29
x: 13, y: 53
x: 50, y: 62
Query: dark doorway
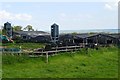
x: 109, y: 41
x: 80, y: 40
x: 89, y: 40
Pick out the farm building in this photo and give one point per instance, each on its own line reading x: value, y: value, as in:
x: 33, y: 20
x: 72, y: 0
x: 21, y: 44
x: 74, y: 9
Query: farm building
x: 63, y: 39
x: 117, y: 36
x: 66, y: 39
x: 84, y: 38
x: 32, y: 36
x: 96, y: 38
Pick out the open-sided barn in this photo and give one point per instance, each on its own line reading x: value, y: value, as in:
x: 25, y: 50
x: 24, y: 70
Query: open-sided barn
x: 69, y: 39
x: 87, y: 38
x: 32, y: 36
x: 66, y: 39
x: 96, y: 38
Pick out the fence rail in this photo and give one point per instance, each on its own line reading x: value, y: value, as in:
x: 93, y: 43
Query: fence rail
x: 43, y: 52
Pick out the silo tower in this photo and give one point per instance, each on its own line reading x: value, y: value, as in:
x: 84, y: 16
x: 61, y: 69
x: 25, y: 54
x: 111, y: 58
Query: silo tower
x: 8, y: 28
x: 55, y: 32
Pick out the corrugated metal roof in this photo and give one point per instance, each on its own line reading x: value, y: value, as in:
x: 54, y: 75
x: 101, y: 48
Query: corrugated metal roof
x: 115, y: 35
x: 32, y: 33
x: 85, y: 35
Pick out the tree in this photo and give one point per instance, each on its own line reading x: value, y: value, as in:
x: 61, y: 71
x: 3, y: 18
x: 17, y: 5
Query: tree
x: 17, y: 28
x: 2, y: 30
x: 29, y: 28
x: 74, y: 33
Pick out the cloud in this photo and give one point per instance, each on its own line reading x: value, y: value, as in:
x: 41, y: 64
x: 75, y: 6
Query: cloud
x: 4, y: 15
x: 107, y: 6
x: 112, y: 5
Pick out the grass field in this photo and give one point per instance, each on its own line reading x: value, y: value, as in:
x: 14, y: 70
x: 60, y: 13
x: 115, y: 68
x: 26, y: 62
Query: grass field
x: 0, y: 65
x: 24, y: 45
x: 102, y: 63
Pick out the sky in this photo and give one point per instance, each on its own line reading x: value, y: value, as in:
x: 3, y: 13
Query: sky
x: 68, y: 15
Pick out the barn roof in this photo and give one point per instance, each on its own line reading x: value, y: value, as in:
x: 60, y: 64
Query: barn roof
x: 84, y: 35
x: 87, y: 35
x: 31, y: 33
x: 115, y: 35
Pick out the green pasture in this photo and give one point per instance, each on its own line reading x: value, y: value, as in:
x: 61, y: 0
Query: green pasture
x: 101, y: 63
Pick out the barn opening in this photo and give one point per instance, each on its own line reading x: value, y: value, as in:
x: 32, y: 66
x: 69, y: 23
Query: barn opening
x: 80, y: 40
x: 109, y: 41
x: 89, y: 40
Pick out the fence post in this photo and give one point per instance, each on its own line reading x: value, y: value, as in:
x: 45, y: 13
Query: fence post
x: 46, y: 57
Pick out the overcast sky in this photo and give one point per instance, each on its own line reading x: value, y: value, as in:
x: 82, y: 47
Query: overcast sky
x: 68, y: 15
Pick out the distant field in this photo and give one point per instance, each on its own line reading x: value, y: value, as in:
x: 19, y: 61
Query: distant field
x: 102, y: 63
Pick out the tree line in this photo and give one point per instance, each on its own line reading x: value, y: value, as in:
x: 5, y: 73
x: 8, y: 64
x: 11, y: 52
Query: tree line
x: 17, y: 28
